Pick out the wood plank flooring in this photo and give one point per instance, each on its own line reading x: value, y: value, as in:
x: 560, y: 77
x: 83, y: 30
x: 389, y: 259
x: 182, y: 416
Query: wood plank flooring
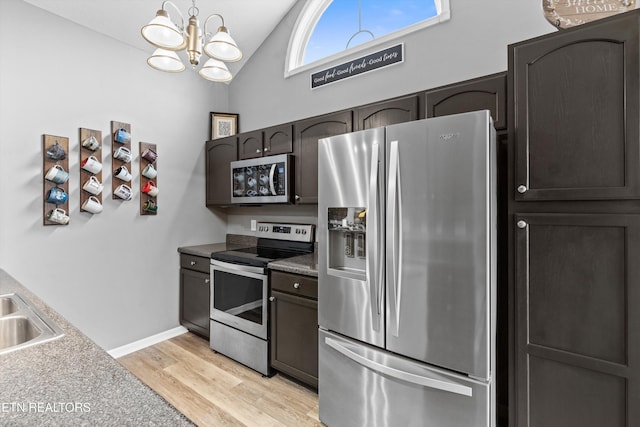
x: 213, y: 390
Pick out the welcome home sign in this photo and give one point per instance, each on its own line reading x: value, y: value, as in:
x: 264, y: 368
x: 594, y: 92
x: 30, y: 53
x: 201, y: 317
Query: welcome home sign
x: 374, y: 61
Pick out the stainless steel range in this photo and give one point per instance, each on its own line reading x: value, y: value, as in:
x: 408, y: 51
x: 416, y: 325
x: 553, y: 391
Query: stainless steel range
x: 240, y: 290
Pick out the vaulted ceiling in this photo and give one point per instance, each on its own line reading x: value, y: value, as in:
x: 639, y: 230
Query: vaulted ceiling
x: 249, y: 21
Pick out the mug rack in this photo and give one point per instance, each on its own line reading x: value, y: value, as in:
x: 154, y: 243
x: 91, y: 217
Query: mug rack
x: 86, y: 151
x: 51, y: 145
x: 116, y: 132
x: 148, y: 176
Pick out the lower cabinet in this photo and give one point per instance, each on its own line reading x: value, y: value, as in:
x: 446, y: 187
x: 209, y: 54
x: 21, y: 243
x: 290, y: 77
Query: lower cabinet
x: 294, y: 326
x: 195, y: 293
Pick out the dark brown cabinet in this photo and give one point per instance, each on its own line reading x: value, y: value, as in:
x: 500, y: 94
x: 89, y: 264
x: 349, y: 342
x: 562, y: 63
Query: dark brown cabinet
x: 219, y: 154
x: 483, y: 93
x: 577, y: 96
x: 195, y: 294
x: 306, y: 136
x: 574, y: 226
x: 578, y: 352
x: 386, y: 113
x: 294, y: 326
x: 266, y: 142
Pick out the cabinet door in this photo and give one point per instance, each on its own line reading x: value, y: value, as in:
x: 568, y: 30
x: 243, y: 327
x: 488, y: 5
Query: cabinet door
x: 294, y: 336
x: 250, y: 145
x: 576, y: 113
x: 484, y: 93
x: 195, y: 295
x: 386, y: 113
x: 278, y: 140
x: 578, y: 320
x: 219, y: 154
x: 306, y: 134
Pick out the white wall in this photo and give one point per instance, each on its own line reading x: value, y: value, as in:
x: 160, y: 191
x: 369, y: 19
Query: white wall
x: 472, y: 43
x: 115, y: 274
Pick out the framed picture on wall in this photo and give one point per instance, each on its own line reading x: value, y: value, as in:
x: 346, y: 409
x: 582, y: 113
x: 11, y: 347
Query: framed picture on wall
x: 223, y: 124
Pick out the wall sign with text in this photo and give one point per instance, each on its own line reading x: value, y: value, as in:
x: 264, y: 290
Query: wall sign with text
x: 374, y: 61
x: 569, y: 13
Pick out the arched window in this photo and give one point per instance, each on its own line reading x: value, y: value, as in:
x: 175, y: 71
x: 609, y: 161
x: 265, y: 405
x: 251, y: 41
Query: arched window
x: 329, y: 29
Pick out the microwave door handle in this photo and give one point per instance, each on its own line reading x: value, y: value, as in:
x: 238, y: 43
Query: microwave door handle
x: 394, y: 239
x: 272, y: 173
x: 373, y: 245
x: 409, y: 377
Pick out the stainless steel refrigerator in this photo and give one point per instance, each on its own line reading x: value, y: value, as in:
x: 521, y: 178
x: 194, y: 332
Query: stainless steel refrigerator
x: 407, y: 274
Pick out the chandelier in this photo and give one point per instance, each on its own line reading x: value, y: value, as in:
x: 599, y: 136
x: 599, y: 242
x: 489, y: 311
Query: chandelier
x: 169, y: 38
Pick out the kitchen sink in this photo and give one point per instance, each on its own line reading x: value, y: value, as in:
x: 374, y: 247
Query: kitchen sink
x: 7, y: 306
x: 22, y: 325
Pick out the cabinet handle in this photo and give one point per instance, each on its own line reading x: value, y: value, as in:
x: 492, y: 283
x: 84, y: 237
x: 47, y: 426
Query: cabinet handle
x: 193, y: 263
x: 522, y: 189
x: 296, y: 285
x: 522, y: 224
x: 272, y: 299
x: 206, y: 281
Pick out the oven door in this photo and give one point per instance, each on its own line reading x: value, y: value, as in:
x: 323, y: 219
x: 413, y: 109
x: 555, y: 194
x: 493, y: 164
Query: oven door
x: 239, y: 297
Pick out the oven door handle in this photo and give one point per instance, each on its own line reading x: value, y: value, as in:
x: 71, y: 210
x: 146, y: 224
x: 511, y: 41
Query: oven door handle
x: 243, y: 270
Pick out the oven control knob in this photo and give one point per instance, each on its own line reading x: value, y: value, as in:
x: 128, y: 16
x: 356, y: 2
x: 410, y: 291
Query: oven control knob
x: 304, y: 231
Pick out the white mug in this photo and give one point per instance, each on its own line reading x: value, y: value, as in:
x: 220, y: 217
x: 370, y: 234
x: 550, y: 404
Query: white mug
x: 59, y: 216
x: 93, y: 186
x: 123, y: 173
x: 149, y: 171
x: 57, y: 174
x: 124, y: 192
x: 91, y: 143
x: 123, y: 153
x: 91, y: 164
x: 93, y: 205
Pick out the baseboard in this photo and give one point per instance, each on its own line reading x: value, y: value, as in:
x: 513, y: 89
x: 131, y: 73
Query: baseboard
x: 146, y: 342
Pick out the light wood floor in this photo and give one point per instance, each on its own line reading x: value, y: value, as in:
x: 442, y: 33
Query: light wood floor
x: 213, y: 390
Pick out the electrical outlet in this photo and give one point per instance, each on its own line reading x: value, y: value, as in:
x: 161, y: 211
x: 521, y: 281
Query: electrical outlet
x: 254, y: 225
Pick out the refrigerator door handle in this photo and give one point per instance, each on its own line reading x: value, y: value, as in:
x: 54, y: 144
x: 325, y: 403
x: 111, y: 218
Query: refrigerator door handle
x: 394, y: 240
x: 397, y: 373
x: 271, y: 183
x: 374, y: 263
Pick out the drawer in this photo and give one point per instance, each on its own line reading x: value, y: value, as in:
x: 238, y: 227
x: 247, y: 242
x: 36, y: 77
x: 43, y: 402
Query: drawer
x: 196, y: 263
x: 295, y: 284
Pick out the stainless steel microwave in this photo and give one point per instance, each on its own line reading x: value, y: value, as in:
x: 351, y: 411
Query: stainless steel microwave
x: 262, y: 180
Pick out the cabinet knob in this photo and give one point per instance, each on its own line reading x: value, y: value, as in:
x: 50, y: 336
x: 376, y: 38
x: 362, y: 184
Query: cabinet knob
x: 272, y: 299
x: 258, y: 150
x: 522, y: 189
x: 266, y: 149
x: 206, y: 281
x: 193, y: 263
x: 297, y: 197
x: 522, y: 224
x: 296, y: 285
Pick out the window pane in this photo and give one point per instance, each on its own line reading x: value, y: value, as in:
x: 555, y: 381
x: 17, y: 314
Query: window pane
x: 340, y: 23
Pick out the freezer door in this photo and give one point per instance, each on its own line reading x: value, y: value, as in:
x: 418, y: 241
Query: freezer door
x: 440, y: 232
x: 360, y: 385
x: 350, y: 235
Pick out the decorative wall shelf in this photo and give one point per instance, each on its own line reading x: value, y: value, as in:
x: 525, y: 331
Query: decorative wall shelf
x: 55, y: 169
x: 90, y: 145
x: 120, y: 137
x: 148, y: 179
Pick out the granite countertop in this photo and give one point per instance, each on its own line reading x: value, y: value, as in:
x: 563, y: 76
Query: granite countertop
x: 71, y: 381
x: 303, y: 264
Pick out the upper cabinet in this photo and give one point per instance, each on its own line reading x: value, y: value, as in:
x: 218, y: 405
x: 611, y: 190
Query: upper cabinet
x: 219, y: 154
x: 386, y: 113
x: 306, y: 136
x: 484, y: 93
x: 266, y: 142
x: 575, y: 100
